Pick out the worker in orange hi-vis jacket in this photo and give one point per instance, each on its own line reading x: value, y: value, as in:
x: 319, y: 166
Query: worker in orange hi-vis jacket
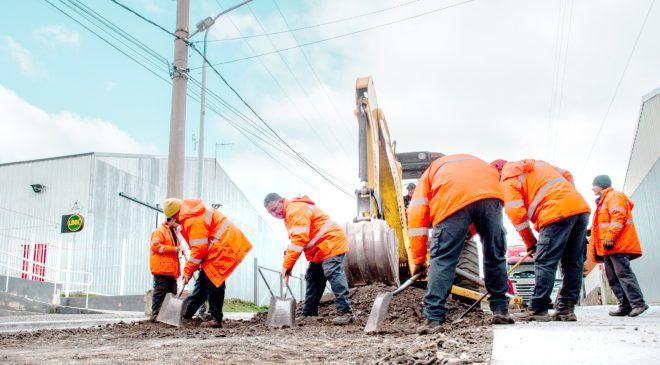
x: 615, y: 241
x: 455, y: 192
x: 216, y: 245
x: 325, y: 245
x: 536, y: 192
x: 164, y: 263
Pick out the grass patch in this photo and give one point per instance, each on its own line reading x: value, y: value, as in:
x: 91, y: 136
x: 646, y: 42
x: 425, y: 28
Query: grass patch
x: 237, y: 305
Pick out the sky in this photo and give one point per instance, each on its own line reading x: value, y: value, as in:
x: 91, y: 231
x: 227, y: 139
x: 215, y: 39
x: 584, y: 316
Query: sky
x: 561, y: 81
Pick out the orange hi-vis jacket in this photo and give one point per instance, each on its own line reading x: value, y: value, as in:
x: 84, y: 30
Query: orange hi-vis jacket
x: 312, y: 231
x: 538, y: 192
x: 215, y: 242
x: 164, y: 259
x: 613, y: 221
x: 449, y: 184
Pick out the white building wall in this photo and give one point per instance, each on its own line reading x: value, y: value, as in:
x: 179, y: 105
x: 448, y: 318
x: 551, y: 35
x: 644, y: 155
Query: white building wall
x: 114, y: 244
x: 643, y: 185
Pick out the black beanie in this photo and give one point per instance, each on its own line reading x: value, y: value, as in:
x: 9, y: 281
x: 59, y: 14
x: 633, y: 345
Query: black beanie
x: 603, y: 181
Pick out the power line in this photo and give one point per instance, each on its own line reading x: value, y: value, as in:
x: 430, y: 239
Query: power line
x: 316, y: 76
x: 305, y: 92
x: 106, y: 41
x: 315, y: 25
x: 616, y: 90
x: 263, y: 64
x: 344, y: 35
x: 321, y: 173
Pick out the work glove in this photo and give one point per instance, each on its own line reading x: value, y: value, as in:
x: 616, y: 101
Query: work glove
x: 608, y: 244
x: 285, y: 275
x: 417, y: 268
x: 185, y: 279
x: 529, y: 239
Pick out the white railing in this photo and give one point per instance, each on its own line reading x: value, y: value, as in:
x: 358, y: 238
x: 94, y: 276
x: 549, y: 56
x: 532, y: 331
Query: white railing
x: 69, y: 280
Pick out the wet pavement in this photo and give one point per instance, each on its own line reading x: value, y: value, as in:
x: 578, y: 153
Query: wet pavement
x: 596, y: 338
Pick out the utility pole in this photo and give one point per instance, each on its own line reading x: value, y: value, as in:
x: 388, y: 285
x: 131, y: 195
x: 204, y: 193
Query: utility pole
x: 175, y: 161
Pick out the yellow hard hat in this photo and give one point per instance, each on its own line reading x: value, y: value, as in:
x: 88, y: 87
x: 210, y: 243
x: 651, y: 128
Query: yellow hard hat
x: 171, y: 206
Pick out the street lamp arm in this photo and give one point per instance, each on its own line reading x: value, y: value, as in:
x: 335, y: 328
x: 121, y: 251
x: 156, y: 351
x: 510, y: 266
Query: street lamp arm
x: 205, y: 24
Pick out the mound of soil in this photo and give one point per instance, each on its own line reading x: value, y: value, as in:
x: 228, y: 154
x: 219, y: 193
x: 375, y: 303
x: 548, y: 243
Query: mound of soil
x: 314, y: 340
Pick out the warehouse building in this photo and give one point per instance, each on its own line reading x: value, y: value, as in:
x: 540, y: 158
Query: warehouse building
x: 84, y: 222
x: 642, y: 184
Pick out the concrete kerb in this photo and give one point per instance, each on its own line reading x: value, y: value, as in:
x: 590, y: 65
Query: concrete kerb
x: 596, y: 338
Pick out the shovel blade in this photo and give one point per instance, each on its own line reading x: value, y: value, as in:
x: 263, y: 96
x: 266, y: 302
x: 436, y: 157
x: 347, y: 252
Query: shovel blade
x: 281, y: 312
x: 378, y: 312
x: 171, y: 311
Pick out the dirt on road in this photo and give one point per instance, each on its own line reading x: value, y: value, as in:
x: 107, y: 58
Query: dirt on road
x: 240, y: 342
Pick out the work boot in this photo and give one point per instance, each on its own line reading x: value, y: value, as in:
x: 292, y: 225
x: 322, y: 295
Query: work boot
x: 429, y: 327
x: 638, y: 310
x: 343, y: 318
x: 502, y: 317
x: 212, y: 323
x: 565, y: 311
x: 153, y: 317
x: 532, y: 314
x: 620, y: 312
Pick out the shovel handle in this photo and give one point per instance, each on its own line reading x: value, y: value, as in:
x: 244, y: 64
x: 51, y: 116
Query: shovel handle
x: 408, y: 282
x: 485, y: 294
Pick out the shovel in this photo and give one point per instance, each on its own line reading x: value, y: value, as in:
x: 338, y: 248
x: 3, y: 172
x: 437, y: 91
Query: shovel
x: 382, y: 302
x: 460, y: 318
x: 171, y: 311
x: 282, y: 310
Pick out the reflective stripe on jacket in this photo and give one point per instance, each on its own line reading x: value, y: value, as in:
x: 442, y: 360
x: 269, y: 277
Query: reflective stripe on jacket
x: 312, y: 231
x: 538, y: 192
x: 449, y: 184
x: 613, y: 221
x: 164, y: 259
x: 215, y: 242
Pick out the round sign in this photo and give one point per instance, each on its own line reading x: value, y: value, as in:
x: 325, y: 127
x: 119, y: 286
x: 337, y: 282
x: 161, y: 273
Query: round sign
x: 75, y: 223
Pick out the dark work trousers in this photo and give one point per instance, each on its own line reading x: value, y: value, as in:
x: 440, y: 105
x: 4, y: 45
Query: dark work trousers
x: 205, y: 290
x: 163, y: 284
x: 562, y: 241
x: 623, y: 281
x: 332, y: 270
x: 446, y: 246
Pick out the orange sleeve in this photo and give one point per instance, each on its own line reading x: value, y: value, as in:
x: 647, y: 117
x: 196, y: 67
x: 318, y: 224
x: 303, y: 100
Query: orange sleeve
x: 515, y: 208
x: 617, y: 206
x: 419, y: 219
x: 198, y: 239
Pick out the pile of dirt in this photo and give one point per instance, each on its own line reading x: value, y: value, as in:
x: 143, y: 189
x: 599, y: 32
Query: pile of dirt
x: 314, y: 340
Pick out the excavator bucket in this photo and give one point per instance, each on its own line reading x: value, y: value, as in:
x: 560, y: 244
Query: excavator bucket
x: 373, y: 255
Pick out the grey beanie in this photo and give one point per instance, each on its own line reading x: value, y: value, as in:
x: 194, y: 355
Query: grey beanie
x: 602, y: 181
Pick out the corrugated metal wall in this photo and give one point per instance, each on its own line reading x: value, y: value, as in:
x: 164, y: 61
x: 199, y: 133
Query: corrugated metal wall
x: 646, y: 146
x: 646, y: 215
x: 29, y: 218
x: 643, y: 185
x: 114, y: 245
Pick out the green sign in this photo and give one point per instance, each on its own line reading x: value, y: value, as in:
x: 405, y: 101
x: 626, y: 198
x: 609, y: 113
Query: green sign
x: 72, y: 223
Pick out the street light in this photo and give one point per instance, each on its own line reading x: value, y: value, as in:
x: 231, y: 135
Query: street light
x: 203, y: 26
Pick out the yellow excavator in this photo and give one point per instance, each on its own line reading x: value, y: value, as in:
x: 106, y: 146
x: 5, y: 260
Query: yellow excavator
x: 378, y: 236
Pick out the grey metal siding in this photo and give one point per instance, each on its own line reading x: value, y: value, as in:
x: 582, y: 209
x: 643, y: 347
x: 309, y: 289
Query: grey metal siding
x: 646, y: 215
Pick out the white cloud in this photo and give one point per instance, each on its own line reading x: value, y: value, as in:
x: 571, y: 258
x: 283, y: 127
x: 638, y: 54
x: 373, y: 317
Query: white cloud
x: 54, y: 35
x: 32, y: 133
x: 110, y: 85
x: 472, y: 79
x: 29, y: 67
x: 151, y: 6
